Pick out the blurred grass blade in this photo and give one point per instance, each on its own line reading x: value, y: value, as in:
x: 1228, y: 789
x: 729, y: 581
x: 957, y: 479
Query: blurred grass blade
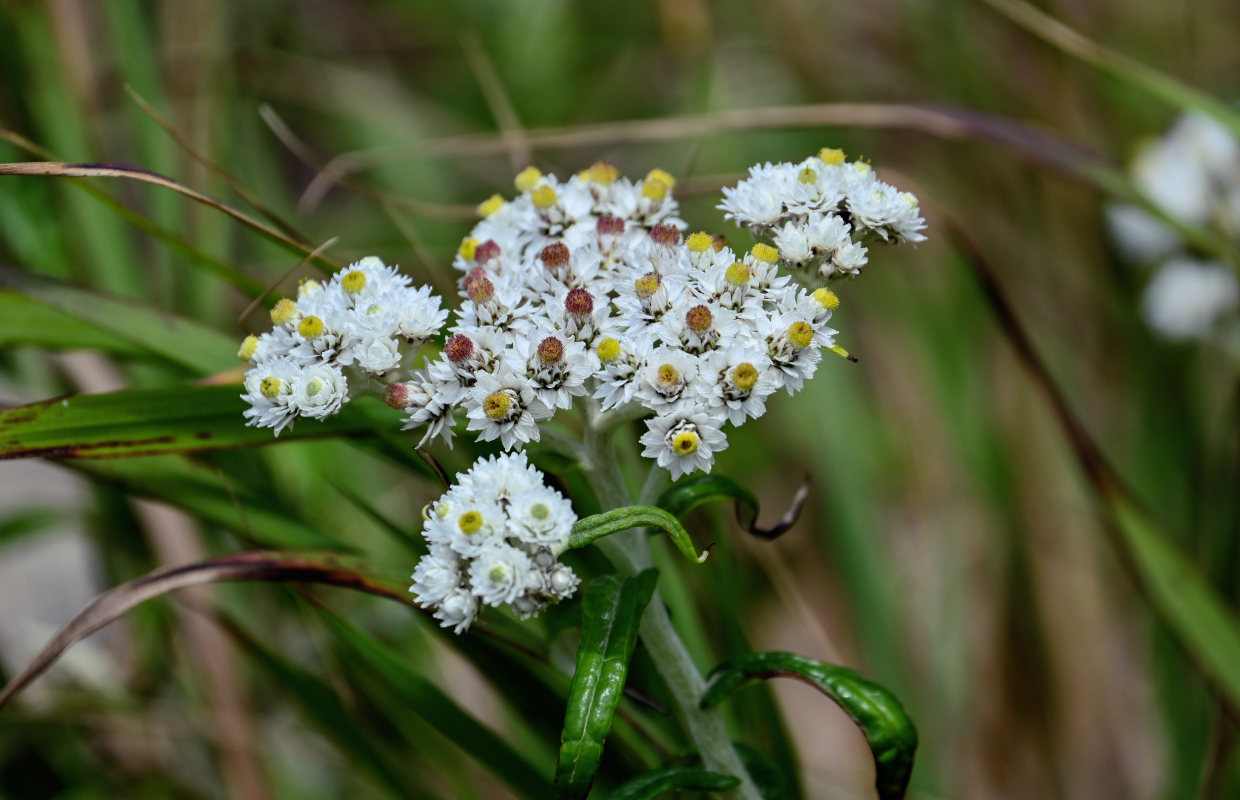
x: 1180, y: 594
x: 668, y: 779
x: 611, y: 614
x: 887, y: 727
x: 21, y: 522
x: 622, y: 519
x: 58, y: 169
x: 321, y: 706
x: 24, y: 320
x: 324, y: 568
x: 423, y: 698
x: 1126, y: 69
x: 202, y: 492
x: 772, y: 783
x: 179, y: 419
x: 190, y: 344
x: 690, y: 493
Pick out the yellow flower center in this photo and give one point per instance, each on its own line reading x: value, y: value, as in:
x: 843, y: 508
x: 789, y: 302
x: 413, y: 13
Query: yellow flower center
x: 527, y: 179
x: 310, y: 327
x: 498, y: 573
x: 539, y: 511
x: 685, y: 443
x: 306, y: 286
x: 801, y: 334
x: 766, y: 253
x: 831, y: 156
x: 603, y: 173
x: 608, y: 350
x: 744, y: 375
x: 470, y: 522
x: 653, y: 189
x: 489, y: 206
x: 496, y: 405
x: 738, y: 274
x: 667, y: 376
x: 700, y: 242
x: 249, y: 345
x: 354, y: 282
x: 544, y: 197
x: 808, y: 175
x: 662, y: 177
x: 647, y: 284
x: 698, y: 319
x: 313, y: 387
x: 826, y: 298
x: 270, y: 387
x: 283, y: 312
x: 468, y: 247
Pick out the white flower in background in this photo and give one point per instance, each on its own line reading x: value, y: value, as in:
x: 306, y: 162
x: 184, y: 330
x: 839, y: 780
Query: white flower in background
x: 494, y: 538
x: 1192, y: 174
x: 1187, y: 299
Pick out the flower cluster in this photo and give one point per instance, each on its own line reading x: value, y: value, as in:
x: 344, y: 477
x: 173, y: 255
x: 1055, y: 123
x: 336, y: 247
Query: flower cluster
x: 363, y: 322
x: 588, y: 288
x: 1192, y: 174
x: 494, y: 538
x: 823, y: 213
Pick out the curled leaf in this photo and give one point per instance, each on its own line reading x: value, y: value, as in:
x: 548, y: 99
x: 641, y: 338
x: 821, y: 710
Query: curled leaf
x: 886, y: 725
x: 652, y: 784
x: 622, y: 519
x: 688, y: 494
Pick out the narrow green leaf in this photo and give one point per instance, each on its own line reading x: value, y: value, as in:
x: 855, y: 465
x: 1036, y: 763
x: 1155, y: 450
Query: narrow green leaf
x: 688, y: 494
x: 887, y: 727
x: 25, y: 521
x: 772, y: 782
x: 203, y: 492
x: 180, y: 419
x: 190, y: 344
x: 658, y: 781
x: 24, y: 320
x: 622, y: 519
x: 611, y: 614
x: 429, y: 702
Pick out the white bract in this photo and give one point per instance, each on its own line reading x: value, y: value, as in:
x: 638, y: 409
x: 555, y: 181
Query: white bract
x: 494, y: 539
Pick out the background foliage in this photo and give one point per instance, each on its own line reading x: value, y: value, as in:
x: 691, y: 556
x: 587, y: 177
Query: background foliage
x: 951, y: 549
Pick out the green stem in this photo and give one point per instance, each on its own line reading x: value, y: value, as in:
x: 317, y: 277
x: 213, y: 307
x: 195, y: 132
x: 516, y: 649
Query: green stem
x: 630, y: 553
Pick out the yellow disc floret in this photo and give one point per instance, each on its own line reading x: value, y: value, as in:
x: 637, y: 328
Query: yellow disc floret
x: 765, y: 253
x: 470, y: 522
x: 468, y: 248
x: 737, y: 274
x: 354, y: 282
x: 647, y: 285
x: 667, y: 376
x: 283, y: 312
x: 685, y: 443
x: 498, y: 573
x: 540, y: 511
x: 662, y: 176
x: 310, y: 327
x: 527, y: 179
x: 544, y: 196
x: 827, y: 298
x: 808, y: 175
x: 249, y: 345
x: 801, y: 334
x: 744, y: 376
x: 831, y: 156
x: 608, y: 350
x: 496, y: 405
x: 270, y: 387
x: 313, y: 387
x: 307, y: 286
x: 489, y: 206
x: 700, y: 242
x: 654, y: 190
x: 604, y: 173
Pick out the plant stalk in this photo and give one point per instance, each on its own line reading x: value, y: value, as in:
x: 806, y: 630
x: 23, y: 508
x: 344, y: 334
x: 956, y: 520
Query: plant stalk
x: 630, y: 553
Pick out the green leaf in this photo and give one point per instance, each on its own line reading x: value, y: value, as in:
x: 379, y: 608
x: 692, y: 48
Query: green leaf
x: 190, y: 344
x: 180, y: 419
x: 658, y: 781
x: 888, y: 729
x: 428, y: 701
x: 622, y: 519
x: 24, y: 320
x: 772, y: 783
x: 611, y: 614
x: 690, y: 493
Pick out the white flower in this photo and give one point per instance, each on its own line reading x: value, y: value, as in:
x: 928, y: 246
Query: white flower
x: 742, y: 380
x: 503, y: 405
x: 1186, y: 299
x: 501, y: 574
x: 458, y: 610
x: 667, y: 377
x: 541, y: 516
x: 319, y: 391
x: 472, y: 526
x: 501, y: 478
x: 685, y: 440
x: 269, y: 391
x: 436, y: 575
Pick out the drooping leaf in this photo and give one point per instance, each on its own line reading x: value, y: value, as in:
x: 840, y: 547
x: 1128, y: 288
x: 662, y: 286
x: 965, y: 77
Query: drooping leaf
x: 688, y: 494
x: 179, y: 419
x: 326, y: 568
x: 887, y: 727
x: 622, y: 519
x: 611, y: 614
x: 428, y: 701
x: 656, y: 782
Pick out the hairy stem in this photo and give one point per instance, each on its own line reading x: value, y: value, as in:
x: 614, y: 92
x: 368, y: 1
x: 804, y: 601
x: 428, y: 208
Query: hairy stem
x: 630, y: 553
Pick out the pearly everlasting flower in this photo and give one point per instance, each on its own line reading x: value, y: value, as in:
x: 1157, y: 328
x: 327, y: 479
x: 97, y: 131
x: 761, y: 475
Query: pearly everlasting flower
x: 494, y: 540
x: 503, y: 405
x: 685, y: 440
x: 1188, y: 299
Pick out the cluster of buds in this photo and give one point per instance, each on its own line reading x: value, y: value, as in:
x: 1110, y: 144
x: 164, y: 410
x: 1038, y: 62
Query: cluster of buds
x: 367, y: 321
x: 494, y: 539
